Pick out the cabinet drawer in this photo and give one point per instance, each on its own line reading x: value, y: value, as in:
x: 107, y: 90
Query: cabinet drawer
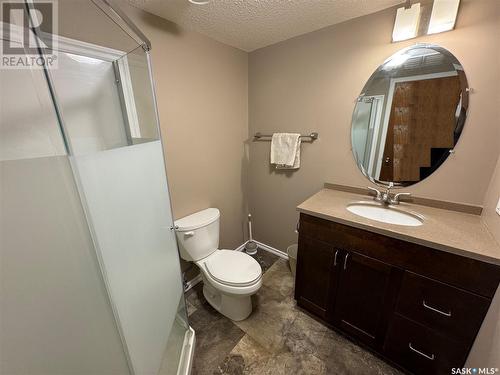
x: 442, y: 307
x: 422, y: 350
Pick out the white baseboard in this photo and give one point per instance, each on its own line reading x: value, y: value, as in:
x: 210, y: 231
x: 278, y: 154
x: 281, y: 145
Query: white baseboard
x: 241, y: 247
x: 272, y: 250
x: 192, y: 283
x: 265, y: 247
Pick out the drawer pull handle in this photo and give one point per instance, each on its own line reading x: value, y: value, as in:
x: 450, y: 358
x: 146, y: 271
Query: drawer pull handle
x: 448, y: 314
x: 431, y: 357
x: 335, y: 258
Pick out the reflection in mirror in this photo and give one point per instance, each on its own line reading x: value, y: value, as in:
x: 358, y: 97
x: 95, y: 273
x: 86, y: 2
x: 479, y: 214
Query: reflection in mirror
x: 409, y: 115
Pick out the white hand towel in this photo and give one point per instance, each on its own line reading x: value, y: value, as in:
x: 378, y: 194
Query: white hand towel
x: 285, y: 150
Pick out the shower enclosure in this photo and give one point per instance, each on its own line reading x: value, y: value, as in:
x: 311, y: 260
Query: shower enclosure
x: 90, y: 278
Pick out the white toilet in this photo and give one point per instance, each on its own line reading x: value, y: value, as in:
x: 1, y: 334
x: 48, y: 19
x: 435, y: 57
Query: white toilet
x: 229, y: 277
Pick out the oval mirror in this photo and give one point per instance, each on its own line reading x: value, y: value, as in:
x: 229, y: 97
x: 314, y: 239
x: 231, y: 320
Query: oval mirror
x: 409, y: 115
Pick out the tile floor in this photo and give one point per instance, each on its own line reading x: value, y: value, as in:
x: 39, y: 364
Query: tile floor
x: 277, y: 338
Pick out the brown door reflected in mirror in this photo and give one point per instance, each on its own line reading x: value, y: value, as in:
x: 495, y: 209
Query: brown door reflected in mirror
x: 421, y: 128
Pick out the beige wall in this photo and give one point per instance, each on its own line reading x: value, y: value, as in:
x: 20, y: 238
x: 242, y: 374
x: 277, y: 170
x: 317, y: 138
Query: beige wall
x: 485, y: 351
x: 490, y: 216
x: 310, y: 83
x: 202, y: 92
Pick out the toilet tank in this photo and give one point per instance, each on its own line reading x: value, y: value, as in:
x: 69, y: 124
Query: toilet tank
x: 198, y: 234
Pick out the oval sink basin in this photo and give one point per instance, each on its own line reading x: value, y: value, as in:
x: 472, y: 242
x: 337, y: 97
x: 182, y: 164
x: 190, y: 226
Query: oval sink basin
x: 385, y: 214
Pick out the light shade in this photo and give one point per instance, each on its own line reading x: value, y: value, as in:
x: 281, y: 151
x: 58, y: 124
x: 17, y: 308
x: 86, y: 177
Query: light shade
x: 443, y: 16
x: 406, y: 24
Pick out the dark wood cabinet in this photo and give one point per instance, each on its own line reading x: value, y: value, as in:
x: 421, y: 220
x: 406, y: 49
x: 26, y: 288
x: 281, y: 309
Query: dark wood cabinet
x: 317, y: 277
x: 419, y: 307
x: 364, y: 290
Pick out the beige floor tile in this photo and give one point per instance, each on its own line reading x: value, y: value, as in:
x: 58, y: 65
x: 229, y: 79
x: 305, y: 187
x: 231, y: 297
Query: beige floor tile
x: 277, y: 338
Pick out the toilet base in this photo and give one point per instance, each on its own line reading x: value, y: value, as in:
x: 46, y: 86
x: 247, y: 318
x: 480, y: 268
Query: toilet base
x: 234, y: 307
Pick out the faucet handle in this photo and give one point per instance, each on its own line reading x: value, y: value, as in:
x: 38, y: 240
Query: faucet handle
x: 378, y: 194
x: 389, y: 187
x: 395, y: 200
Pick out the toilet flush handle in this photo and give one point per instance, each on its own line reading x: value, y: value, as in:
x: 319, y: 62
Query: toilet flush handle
x: 189, y: 234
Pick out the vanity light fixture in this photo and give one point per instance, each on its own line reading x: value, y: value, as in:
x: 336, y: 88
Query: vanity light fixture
x: 406, y: 23
x: 443, y: 16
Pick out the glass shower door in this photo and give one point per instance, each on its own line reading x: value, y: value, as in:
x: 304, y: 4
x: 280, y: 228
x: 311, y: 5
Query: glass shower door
x: 109, y: 118
x: 55, y: 315
x: 90, y: 274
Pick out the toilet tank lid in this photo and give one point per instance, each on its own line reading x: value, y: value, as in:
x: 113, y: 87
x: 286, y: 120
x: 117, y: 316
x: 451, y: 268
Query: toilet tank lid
x: 197, y: 220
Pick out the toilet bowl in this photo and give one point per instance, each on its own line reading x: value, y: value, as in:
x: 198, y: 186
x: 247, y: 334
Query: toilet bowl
x: 230, y: 277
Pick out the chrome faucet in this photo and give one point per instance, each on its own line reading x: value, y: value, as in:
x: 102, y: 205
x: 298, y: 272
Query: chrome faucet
x: 386, y: 197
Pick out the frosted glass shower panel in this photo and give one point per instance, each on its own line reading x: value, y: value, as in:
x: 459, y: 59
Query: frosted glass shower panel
x: 128, y: 208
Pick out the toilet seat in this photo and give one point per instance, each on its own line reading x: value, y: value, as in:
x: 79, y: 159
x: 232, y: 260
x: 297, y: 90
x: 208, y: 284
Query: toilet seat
x: 233, y: 268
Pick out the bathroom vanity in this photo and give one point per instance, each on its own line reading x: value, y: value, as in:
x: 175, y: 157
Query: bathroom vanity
x: 413, y: 282
x: 415, y: 295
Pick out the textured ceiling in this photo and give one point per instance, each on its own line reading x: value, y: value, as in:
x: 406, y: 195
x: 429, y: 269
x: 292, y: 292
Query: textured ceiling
x: 253, y: 24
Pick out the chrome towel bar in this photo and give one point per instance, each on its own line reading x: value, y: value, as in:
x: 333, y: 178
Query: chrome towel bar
x: 313, y: 136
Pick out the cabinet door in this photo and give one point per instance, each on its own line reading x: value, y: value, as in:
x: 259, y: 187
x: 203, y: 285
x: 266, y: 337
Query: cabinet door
x: 315, y: 283
x: 364, y: 298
